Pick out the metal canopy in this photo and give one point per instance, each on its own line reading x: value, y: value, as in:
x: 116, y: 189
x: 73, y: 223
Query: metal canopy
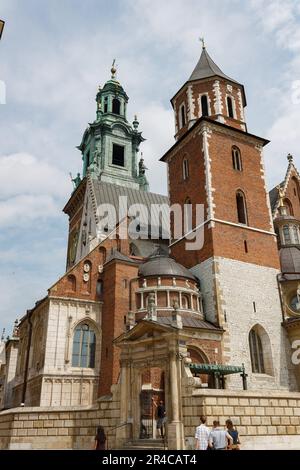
x: 216, y: 369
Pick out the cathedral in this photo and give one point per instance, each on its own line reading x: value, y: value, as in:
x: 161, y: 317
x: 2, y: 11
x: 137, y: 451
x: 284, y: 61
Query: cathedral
x: 143, y: 315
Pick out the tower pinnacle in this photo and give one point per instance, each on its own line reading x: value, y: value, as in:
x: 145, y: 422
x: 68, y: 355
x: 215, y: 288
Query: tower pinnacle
x: 113, y: 70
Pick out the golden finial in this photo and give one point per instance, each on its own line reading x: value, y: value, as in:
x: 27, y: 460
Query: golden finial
x: 113, y: 69
x: 203, y: 43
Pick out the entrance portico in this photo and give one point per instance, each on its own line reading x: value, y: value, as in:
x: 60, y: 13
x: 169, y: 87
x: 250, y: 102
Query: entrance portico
x: 149, y: 345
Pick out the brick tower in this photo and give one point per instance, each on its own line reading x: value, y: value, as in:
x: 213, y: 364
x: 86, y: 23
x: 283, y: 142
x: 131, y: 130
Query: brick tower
x: 217, y: 163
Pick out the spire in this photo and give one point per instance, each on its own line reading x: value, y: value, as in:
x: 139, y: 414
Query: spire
x: 206, y: 67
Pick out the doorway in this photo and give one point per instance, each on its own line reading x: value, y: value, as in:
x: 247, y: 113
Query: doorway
x: 151, y: 394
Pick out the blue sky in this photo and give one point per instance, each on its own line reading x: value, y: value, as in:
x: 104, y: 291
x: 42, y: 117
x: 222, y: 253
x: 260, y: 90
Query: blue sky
x: 54, y: 55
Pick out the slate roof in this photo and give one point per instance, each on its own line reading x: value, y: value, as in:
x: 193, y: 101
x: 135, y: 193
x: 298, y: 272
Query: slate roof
x: 189, y: 320
x: 108, y: 193
x: 206, y: 68
x: 273, y: 195
x: 290, y: 259
x: 115, y: 254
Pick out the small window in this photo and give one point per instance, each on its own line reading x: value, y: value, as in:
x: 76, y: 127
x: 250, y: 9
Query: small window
x: 125, y: 283
x: 182, y: 118
x: 236, y: 159
x: 116, y: 106
x: 289, y: 207
x: 99, y: 288
x: 106, y: 105
x: 185, y: 302
x: 204, y: 105
x: 71, y: 283
x: 241, y: 208
x: 118, y: 155
x: 185, y: 169
x: 246, y: 246
x: 296, y: 234
x: 286, y: 234
x: 230, y: 107
x: 188, y: 215
x: 87, y: 159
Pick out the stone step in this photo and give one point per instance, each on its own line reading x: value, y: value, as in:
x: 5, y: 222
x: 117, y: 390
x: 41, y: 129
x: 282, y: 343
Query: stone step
x: 144, y: 444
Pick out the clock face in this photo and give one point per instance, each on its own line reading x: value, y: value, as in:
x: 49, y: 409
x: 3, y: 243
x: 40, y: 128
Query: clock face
x: 86, y: 267
x: 86, y: 277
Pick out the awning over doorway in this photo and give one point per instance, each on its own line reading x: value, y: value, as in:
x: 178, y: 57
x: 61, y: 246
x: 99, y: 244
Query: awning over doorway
x: 216, y: 368
x: 218, y: 371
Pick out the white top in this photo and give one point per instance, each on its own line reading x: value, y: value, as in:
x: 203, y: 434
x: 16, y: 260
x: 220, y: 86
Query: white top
x: 202, y: 435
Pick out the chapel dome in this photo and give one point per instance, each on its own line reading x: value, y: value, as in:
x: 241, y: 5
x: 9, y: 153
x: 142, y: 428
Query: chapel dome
x: 163, y: 265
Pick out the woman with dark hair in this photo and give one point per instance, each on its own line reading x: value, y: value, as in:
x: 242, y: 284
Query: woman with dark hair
x: 234, y: 434
x: 100, y: 439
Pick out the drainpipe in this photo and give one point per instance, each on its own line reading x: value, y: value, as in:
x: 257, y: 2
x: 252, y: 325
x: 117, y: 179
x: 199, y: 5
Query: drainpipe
x: 29, y: 313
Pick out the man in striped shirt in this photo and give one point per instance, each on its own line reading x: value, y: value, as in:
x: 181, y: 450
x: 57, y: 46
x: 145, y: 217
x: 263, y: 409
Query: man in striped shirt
x: 202, y: 435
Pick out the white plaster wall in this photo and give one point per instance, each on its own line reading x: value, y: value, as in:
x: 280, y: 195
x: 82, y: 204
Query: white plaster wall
x: 204, y: 272
x: 62, y: 383
x: 239, y: 285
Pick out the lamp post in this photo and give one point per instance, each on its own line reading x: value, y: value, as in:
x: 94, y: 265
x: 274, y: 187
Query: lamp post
x: 2, y: 23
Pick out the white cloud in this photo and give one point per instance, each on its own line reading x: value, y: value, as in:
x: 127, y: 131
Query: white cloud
x: 23, y: 173
x: 30, y: 189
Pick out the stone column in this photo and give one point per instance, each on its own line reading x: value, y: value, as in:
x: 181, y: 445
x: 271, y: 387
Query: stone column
x: 124, y: 433
x: 175, y: 427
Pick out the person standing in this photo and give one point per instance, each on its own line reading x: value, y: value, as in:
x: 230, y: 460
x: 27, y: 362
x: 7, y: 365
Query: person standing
x: 234, y: 434
x: 100, y: 439
x: 219, y: 438
x: 202, y: 435
x: 161, y: 417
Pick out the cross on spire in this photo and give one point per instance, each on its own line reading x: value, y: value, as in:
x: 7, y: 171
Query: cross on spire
x: 203, y: 43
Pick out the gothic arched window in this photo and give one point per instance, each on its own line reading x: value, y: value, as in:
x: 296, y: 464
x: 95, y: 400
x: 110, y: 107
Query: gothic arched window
x: 230, y: 107
x: 204, y: 105
x: 182, y: 118
x: 241, y: 208
x: 185, y: 168
x: 256, y: 352
x: 236, y: 159
x: 84, y: 346
x: 116, y: 106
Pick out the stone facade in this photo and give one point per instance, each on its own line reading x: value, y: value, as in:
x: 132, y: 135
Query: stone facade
x: 264, y: 420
